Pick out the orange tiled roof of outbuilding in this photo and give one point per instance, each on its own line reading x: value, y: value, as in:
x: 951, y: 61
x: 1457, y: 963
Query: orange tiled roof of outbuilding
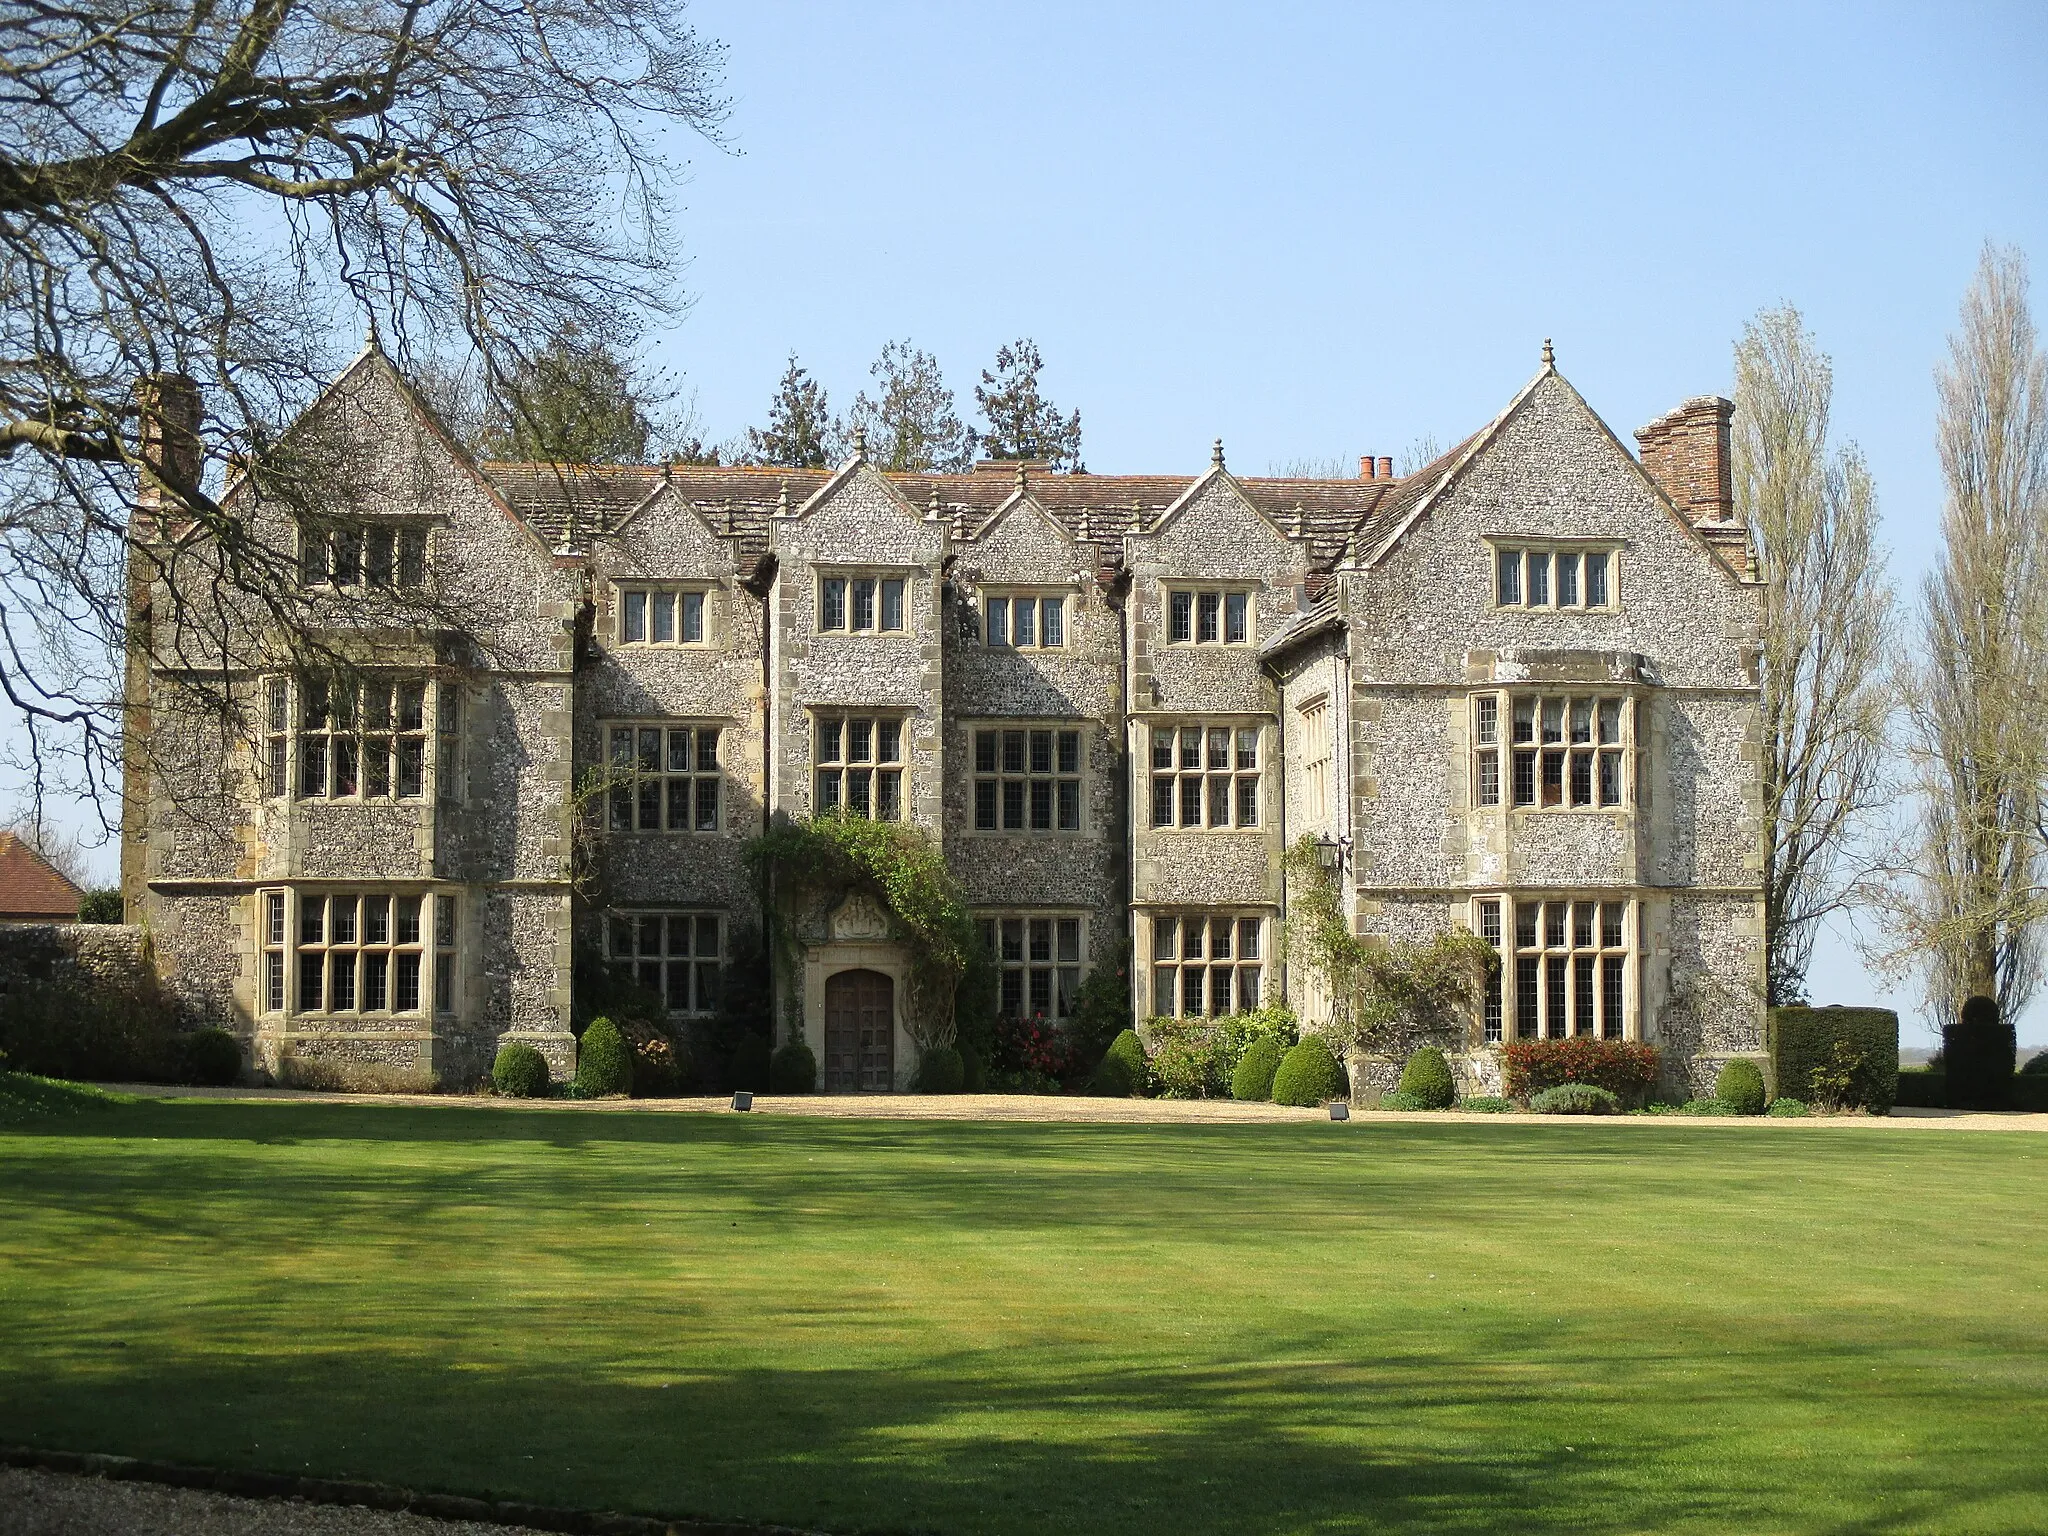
x: 32, y: 889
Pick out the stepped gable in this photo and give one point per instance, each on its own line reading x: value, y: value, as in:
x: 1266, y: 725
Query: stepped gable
x: 740, y: 500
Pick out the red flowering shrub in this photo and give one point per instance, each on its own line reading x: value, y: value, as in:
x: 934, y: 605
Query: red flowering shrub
x: 1032, y: 1047
x: 1625, y: 1068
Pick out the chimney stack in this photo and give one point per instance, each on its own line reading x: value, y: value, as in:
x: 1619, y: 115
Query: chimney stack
x: 168, y: 436
x: 1686, y: 452
x: 1386, y: 467
x: 1365, y: 463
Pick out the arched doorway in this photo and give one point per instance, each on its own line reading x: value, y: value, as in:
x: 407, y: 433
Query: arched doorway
x: 860, y: 1032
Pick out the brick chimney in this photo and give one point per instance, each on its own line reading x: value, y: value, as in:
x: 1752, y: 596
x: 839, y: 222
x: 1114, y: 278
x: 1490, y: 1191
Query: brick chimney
x: 1365, y: 463
x: 168, y: 436
x: 1386, y: 466
x: 1686, y: 452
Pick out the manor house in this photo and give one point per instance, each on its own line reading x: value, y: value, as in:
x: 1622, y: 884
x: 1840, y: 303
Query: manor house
x: 1515, y: 690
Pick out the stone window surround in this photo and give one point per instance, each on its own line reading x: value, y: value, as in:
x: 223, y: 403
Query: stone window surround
x: 654, y: 592
x: 702, y: 779
x: 285, y: 760
x: 1498, y: 757
x: 1049, y: 633
x: 849, y: 578
x: 1066, y: 793
x: 1171, y: 967
x: 1314, y: 728
x: 1207, y: 604
x: 1243, y: 778
x: 1581, y: 948
x: 1057, y: 972
x: 699, y: 970
x: 281, y: 912
x: 833, y: 740
x: 343, y: 554
x: 1498, y: 546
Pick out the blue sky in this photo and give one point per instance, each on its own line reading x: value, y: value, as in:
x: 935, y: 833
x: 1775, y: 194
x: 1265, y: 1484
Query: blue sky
x: 1327, y: 230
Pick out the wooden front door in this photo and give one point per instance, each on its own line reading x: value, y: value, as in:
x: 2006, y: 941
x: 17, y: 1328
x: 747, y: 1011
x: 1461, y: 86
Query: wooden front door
x: 860, y: 1032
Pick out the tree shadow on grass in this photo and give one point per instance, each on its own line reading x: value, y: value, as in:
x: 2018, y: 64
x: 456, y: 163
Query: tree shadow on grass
x: 1438, y: 1443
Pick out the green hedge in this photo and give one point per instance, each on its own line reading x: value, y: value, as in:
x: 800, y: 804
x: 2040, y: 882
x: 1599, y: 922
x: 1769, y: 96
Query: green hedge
x: 1805, y: 1041
x: 1576, y: 1099
x: 213, y: 1057
x: 2029, y: 1094
x: 1978, y: 1055
x: 1308, y: 1075
x: 752, y: 1063
x: 1921, y: 1089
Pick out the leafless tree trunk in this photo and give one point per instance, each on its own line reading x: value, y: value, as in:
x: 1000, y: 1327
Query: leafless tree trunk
x: 1827, y: 614
x: 1970, y: 902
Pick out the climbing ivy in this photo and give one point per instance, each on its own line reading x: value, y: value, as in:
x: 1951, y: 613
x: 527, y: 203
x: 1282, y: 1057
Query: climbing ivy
x: 1386, y: 996
x: 807, y: 864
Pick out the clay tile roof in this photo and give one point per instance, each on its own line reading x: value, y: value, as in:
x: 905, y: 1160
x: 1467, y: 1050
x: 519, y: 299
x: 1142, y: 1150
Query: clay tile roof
x: 740, y: 500
x: 31, y: 887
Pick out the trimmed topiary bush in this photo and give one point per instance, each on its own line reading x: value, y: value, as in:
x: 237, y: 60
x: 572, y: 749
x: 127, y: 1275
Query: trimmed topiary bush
x: 1708, y: 1107
x: 1253, y: 1079
x: 1122, y: 1073
x: 1308, y: 1075
x: 793, y: 1069
x: 940, y: 1070
x: 1853, y: 1051
x: 1923, y: 1090
x: 1787, y: 1109
x: 2037, y: 1066
x: 1742, y: 1085
x: 2029, y: 1094
x: 604, y: 1062
x: 752, y: 1062
x: 1427, y: 1076
x: 1977, y: 1054
x: 213, y: 1057
x: 520, y: 1072
x: 1576, y: 1099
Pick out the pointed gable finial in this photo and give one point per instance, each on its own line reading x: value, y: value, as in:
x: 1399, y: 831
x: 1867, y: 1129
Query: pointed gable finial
x: 568, y: 544
x: 1300, y: 522
x: 782, y: 501
x: 1087, y: 531
x: 1020, y: 477
x: 860, y: 445
x: 1549, y: 356
x: 960, y: 520
x: 1216, y: 454
x: 931, y: 504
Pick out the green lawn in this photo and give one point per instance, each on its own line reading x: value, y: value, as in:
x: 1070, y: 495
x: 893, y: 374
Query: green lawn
x: 1031, y: 1328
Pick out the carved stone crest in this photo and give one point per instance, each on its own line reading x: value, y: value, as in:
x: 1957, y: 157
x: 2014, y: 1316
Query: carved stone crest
x: 860, y: 917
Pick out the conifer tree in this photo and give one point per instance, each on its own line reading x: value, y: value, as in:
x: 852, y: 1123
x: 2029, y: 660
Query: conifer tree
x: 575, y: 402
x: 1022, y: 423
x: 913, y: 424
x: 801, y: 433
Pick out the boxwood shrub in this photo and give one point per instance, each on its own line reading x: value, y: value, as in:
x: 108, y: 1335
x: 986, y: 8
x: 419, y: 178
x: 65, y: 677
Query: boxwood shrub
x: 1787, y: 1109
x: 2037, y: 1066
x: 213, y: 1057
x: 1742, y: 1085
x: 1427, y: 1077
x: 1855, y: 1050
x: 520, y: 1072
x: 793, y: 1068
x: 940, y: 1070
x: 1485, y: 1104
x: 1625, y: 1068
x: 1122, y: 1073
x: 604, y: 1064
x: 1402, y: 1099
x: 1253, y: 1079
x: 1308, y: 1075
x: 1576, y: 1099
x: 1708, y: 1107
x: 1921, y: 1089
